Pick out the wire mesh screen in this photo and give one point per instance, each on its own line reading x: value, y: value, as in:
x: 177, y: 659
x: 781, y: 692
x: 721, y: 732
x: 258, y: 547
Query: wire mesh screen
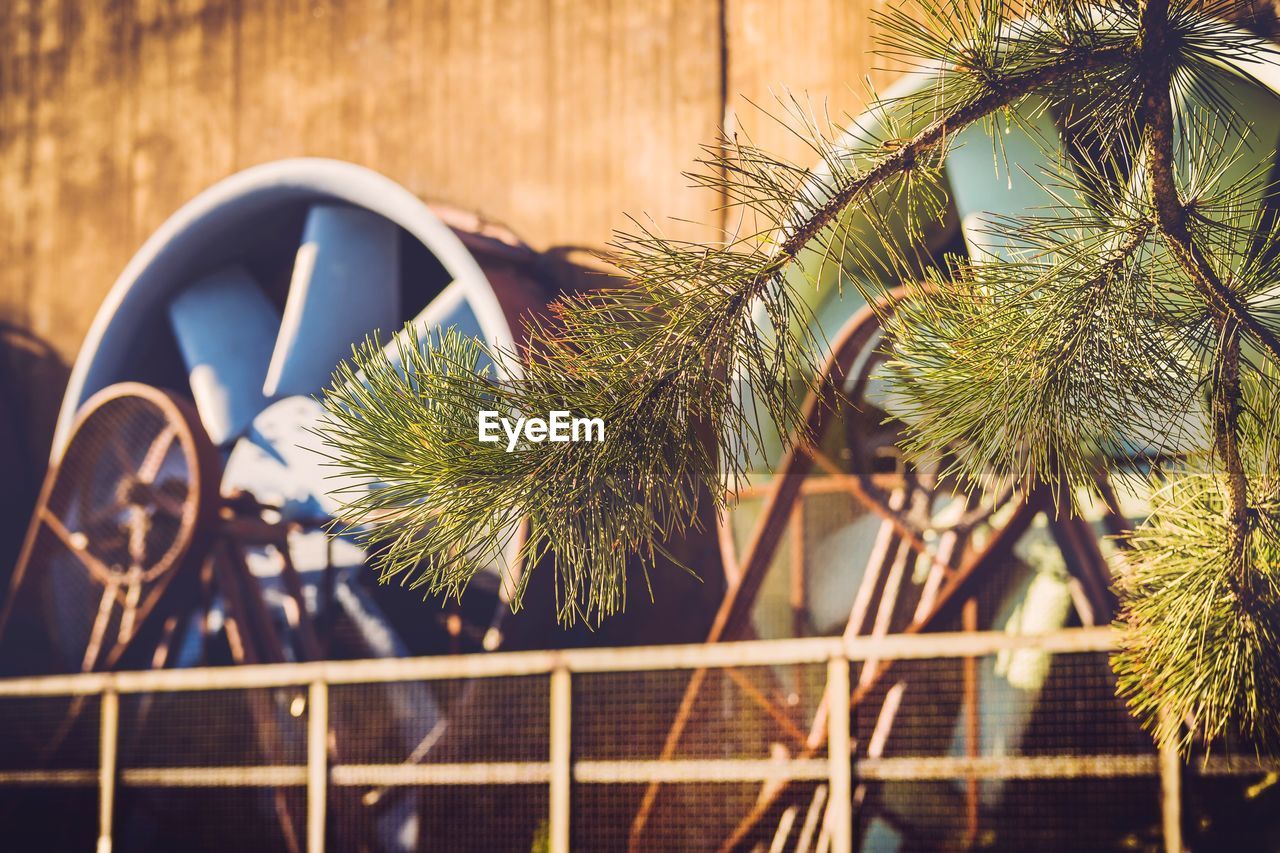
x: 458, y: 740
x: 213, y: 770
x: 214, y: 728
x: 736, y: 714
x: 1002, y: 752
x: 53, y: 742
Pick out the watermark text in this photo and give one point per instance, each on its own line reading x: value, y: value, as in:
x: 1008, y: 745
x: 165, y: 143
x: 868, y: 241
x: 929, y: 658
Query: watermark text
x: 558, y: 426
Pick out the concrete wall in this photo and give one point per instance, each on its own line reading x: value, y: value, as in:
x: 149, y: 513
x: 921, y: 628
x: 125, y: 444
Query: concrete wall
x: 556, y: 117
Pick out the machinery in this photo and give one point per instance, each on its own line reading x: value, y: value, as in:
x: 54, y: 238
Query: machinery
x: 183, y: 519
x: 845, y: 537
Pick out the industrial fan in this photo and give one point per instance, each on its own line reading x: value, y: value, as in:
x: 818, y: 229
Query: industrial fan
x: 185, y: 528
x: 250, y: 295
x: 243, y: 303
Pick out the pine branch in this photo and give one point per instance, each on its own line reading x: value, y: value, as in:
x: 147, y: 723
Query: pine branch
x: 1085, y: 343
x: 1171, y: 214
x: 1209, y: 689
x: 1229, y: 313
x: 938, y: 132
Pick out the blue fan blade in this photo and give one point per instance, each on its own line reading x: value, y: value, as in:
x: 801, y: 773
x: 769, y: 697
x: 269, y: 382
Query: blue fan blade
x: 346, y: 284
x: 224, y: 326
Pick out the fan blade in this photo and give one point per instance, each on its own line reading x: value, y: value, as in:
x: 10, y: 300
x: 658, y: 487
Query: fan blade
x: 224, y: 326
x: 346, y: 284
x: 449, y: 310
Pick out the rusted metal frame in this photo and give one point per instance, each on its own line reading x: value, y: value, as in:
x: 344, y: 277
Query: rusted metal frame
x: 205, y: 606
x: 728, y: 549
x: 854, y: 486
x: 818, y: 485
x: 765, y: 704
x: 98, y: 631
x: 96, y: 567
x: 958, y: 588
x: 252, y: 611
x: 241, y: 634
x: 1075, y: 539
x: 797, y: 588
x: 144, y: 616
x: 889, y: 597
x: 884, y: 552
x: 1113, y: 517
x: 811, y: 819
x: 183, y: 425
x: 93, y: 661
x: 156, y: 453
x: 172, y: 629
x: 307, y: 636
x: 783, y: 832
x: 880, y: 733
x: 893, y: 698
x: 739, y: 596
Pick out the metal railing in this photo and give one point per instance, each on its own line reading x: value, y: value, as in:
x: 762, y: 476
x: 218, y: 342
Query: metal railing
x: 560, y: 770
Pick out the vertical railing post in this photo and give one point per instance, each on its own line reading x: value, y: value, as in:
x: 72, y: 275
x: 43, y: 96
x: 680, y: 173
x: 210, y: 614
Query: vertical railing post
x: 108, y: 740
x: 1171, y: 796
x: 317, y: 764
x: 840, y: 804
x: 561, y: 758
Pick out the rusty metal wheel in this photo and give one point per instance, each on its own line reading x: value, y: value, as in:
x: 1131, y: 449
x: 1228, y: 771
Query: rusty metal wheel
x: 131, y: 500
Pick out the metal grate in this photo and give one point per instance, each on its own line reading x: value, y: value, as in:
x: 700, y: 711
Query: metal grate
x: 969, y: 741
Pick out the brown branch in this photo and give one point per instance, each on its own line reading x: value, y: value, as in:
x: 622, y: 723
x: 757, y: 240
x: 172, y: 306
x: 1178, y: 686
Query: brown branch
x: 1230, y: 315
x: 904, y: 158
x: 1226, y: 427
x: 1171, y: 213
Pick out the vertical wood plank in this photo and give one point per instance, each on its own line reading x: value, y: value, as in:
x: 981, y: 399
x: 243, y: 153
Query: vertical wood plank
x: 819, y: 50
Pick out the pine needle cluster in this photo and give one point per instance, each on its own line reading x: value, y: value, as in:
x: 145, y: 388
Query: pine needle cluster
x: 1135, y: 321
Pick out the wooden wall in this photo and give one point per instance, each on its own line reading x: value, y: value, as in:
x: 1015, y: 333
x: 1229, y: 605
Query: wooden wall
x: 555, y: 117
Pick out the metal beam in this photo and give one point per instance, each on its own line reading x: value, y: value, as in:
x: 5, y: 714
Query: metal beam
x: 748, y: 653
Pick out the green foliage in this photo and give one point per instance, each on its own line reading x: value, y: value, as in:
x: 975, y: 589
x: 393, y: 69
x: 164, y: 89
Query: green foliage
x: 1134, y: 321
x: 1201, y: 645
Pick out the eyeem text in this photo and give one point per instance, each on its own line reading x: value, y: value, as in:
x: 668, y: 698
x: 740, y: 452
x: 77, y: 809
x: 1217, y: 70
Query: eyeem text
x: 557, y: 426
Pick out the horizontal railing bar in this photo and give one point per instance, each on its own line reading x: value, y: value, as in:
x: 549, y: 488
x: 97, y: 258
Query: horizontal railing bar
x: 810, y: 650
x: 38, y: 778
x: 701, y: 770
x: 495, y: 773
x: 640, y: 771
x: 1006, y: 767
x: 268, y: 776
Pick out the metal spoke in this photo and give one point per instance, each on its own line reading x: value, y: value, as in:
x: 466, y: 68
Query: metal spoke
x: 156, y: 454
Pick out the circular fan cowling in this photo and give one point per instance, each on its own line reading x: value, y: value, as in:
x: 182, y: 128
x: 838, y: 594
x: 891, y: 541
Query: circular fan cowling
x: 247, y: 298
